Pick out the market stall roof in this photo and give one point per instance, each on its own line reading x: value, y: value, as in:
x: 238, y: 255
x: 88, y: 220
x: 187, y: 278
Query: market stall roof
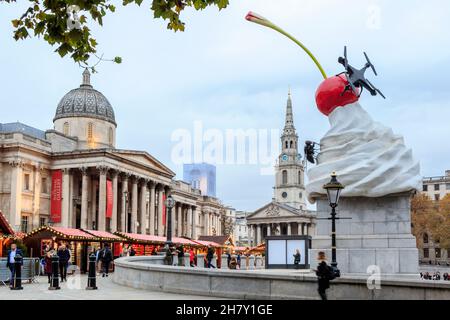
x: 5, y: 228
x: 241, y: 248
x: 104, y: 235
x: 136, y: 237
x: 63, y: 233
x: 207, y: 243
x: 221, y: 240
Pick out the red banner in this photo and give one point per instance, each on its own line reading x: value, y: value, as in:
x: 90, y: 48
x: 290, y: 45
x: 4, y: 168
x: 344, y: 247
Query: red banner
x: 109, y: 198
x: 56, y: 196
x: 164, y: 209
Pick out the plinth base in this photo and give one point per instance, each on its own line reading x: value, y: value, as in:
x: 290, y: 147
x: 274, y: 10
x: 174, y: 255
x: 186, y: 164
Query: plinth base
x: 377, y: 239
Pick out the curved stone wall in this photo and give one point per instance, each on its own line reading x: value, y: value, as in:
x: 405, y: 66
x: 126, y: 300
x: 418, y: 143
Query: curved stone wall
x: 148, y: 272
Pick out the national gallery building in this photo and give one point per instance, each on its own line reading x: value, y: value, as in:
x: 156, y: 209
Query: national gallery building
x: 73, y: 176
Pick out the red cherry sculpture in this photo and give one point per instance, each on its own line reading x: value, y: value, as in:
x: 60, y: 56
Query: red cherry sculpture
x: 329, y: 94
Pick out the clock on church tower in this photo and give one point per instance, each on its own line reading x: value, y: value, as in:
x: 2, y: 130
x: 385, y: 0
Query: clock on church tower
x: 289, y: 178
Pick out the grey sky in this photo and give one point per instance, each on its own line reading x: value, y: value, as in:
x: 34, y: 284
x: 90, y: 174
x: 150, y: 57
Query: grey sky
x: 231, y: 74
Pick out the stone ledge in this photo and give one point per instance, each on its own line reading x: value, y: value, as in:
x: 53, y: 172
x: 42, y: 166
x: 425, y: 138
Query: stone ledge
x: 140, y: 272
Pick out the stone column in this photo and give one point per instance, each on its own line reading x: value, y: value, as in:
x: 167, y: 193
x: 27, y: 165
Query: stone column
x: 123, y: 211
x: 160, y: 211
x: 15, y: 215
x: 289, y: 230
x: 84, y: 198
x: 101, y: 225
x: 189, y: 222
x: 152, y: 208
x: 268, y: 230
x: 143, y: 207
x: 65, y: 198
x: 307, y: 229
x: 37, y: 195
x: 92, y: 216
x: 174, y: 222
x: 179, y: 220
x: 115, y: 182
x: 194, y: 223
x: 258, y: 235
x: 134, y: 205
x: 303, y: 229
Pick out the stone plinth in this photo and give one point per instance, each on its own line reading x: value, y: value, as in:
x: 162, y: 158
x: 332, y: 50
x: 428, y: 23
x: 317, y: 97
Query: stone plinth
x: 379, y: 234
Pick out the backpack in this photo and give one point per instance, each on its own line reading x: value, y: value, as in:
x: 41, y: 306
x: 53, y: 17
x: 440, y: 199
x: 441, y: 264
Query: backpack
x: 331, y: 273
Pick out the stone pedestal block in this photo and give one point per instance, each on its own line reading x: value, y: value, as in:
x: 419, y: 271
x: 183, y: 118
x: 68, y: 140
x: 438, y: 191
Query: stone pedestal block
x: 378, y: 234
x: 224, y: 262
x: 251, y: 262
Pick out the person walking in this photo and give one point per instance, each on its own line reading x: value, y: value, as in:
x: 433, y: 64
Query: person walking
x: 210, y: 256
x: 131, y: 251
x: 191, y: 258
x: 64, y: 258
x: 228, y: 258
x: 297, y: 258
x: 106, y: 257
x: 11, y: 262
x: 180, y: 256
x: 238, y: 260
x: 48, y: 265
x: 324, y: 275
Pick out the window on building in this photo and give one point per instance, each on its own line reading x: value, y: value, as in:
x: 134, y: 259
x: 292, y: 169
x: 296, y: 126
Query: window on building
x: 436, y: 187
x: 90, y: 131
x: 425, y: 238
x: 436, y: 197
x: 437, y: 253
x: 292, y: 144
x: 24, y: 224
x: 42, y: 221
x: 285, y: 177
x: 287, y: 146
x: 447, y: 186
x: 44, y: 185
x: 26, y: 182
x: 425, y: 187
x: 66, y: 128
x: 111, y: 136
x: 299, y: 177
x: 300, y: 195
x: 426, y: 253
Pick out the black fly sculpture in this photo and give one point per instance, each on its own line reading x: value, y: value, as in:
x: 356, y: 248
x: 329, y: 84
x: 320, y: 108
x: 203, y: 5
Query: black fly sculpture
x: 311, y: 151
x: 356, y: 77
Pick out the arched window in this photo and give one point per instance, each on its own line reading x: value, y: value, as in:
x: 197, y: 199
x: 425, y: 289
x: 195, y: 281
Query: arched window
x: 292, y: 144
x: 90, y: 131
x: 284, y: 177
x: 425, y: 238
x: 111, y: 136
x: 66, y: 128
x: 287, y: 145
x: 299, y: 177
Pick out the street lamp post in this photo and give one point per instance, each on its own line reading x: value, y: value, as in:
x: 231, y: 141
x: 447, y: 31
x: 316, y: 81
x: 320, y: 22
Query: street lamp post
x: 169, y: 203
x: 334, y: 188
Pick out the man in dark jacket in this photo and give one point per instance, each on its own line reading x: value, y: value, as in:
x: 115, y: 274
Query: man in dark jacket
x: 324, y: 275
x: 106, y: 258
x: 210, y: 256
x: 64, y: 258
x: 11, y: 262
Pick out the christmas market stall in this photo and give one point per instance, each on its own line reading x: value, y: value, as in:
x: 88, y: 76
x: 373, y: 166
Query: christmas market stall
x: 223, y: 244
x: 105, y: 237
x: 145, y: 245
x: 79, y: 242
x: 6, y: 234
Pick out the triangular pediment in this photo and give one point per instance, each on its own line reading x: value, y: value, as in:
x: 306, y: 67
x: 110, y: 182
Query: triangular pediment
x: 274, y: 210
x: 145, y: 159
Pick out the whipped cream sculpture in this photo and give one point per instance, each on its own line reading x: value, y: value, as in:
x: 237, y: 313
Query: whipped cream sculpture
x: 369, y: 158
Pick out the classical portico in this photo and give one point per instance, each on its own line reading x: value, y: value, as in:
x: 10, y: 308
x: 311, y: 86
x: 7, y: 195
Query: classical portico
x: 275, y: 219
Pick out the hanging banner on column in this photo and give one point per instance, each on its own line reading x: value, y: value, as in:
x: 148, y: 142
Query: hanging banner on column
x: 109, y: 198
x: 164, y: 209
x: 56, y: 196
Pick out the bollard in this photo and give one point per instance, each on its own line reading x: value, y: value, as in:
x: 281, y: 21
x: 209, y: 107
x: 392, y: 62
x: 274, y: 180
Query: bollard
x: 17, y: 281
x: 54, y: 281
x: 92, y: 281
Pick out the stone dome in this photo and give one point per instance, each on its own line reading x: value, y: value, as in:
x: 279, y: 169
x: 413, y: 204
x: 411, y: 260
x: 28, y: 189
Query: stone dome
x: 85, y: 101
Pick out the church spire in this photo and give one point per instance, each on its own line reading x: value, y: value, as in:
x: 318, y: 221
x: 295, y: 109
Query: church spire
x: 86, y: 78
x: 289, y: 124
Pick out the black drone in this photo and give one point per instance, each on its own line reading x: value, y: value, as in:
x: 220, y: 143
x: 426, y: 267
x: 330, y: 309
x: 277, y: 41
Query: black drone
x: 356, y: 77
x: 310, y: 151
